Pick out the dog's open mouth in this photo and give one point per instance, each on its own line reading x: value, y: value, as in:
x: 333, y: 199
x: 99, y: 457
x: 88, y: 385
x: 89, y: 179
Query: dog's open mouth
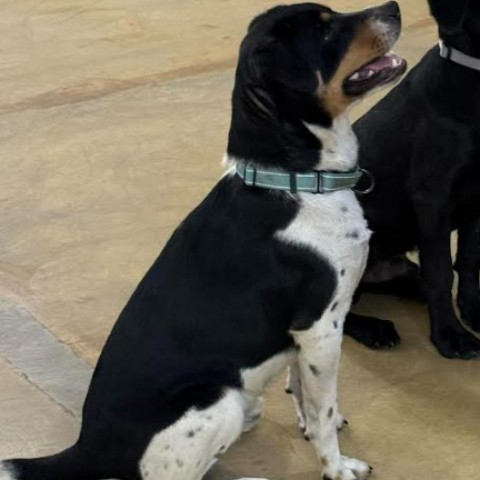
x: 380, y: 72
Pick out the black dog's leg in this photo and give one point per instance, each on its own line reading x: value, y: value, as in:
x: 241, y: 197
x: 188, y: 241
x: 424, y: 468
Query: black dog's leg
x: 468, y: 267
x: 397, y: 276
x: 447, y: 333
x: 372, y: 332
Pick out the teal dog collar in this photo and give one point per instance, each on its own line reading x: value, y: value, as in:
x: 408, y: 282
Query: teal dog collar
x: 316, y: 181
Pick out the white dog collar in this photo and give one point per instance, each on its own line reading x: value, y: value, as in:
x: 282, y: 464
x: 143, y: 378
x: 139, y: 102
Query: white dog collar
x: 456, y: 56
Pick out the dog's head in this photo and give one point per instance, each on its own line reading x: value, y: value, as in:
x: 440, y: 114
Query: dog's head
x: 307, y: 63
x: 307, y: 54
x: 457, y: 17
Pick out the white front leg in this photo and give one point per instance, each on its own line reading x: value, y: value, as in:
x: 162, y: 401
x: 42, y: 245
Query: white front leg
x: 318, y: 362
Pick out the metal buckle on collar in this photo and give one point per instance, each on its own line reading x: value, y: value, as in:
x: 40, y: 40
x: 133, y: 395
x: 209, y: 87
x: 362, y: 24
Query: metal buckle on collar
x: 448, y: 50
x: 249, y: 183
x: 319, y: 183
x: 371, y: 180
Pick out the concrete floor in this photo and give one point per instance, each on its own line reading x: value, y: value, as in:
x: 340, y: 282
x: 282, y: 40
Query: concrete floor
x: 103, y: 103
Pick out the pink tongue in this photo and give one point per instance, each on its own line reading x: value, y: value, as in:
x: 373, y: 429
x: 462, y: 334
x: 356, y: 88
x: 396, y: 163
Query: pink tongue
x: 388, y: 61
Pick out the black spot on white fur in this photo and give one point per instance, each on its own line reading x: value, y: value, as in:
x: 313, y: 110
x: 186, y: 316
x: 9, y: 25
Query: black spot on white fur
x: 335, y: 324
x: 355, y: 235
x: 334, y: 306
x: 342, y: 273
x: 330, y: 413
x: 314, y: 370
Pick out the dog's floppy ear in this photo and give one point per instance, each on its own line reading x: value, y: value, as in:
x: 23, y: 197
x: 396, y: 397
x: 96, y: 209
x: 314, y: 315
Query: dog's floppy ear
x: 256, y: 93
x: 450, y: 14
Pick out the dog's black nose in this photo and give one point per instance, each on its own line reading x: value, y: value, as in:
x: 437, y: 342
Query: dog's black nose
x: 390, y: 10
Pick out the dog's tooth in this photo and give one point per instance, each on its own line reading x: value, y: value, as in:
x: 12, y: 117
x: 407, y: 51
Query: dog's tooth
x: 356, y: 76
x: 370, y: 73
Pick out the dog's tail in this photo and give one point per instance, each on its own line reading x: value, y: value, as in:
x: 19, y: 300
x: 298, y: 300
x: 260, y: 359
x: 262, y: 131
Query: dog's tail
x: 70, y: 464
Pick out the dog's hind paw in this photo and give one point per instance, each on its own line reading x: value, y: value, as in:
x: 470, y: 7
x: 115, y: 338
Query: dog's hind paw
x: 253, y: 415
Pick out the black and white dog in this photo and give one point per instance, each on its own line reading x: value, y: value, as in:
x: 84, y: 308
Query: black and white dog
x: 254, y: 280
x: 422, y: 143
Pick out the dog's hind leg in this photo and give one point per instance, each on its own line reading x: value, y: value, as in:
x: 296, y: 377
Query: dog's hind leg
x: 397, y: 276
x: 468, y: 267
x: 187, y: 449
x: 294, y: 388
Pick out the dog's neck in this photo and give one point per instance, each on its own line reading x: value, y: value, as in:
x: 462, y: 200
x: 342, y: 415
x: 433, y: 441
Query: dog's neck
x: 339, y: 145
x: 463, y: 42
x: 292, y: 145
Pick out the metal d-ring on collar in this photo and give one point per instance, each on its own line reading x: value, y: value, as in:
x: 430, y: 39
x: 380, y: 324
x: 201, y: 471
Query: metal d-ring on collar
x: 371, y: 186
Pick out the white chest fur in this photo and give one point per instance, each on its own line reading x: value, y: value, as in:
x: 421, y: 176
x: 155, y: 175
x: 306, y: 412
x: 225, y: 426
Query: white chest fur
x: 339, y: 145
x: 334, y: 227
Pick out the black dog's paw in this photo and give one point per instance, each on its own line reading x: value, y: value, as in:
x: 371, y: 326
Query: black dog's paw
x: 456, y: 342
x: 374, y: 333
x: 470, y: 309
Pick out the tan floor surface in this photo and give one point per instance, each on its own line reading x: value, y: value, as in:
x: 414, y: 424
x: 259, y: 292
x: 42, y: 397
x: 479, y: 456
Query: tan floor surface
x: 104, y: 105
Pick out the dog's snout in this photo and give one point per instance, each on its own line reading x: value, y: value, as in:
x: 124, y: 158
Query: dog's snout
x: 388, y: 11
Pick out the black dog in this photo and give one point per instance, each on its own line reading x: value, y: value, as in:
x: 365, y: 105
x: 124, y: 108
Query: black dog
x: 255, y: 279
x: 422, y: 142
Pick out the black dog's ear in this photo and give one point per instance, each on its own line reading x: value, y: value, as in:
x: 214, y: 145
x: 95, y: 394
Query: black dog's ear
x: 450, y: 14
x: 255, y: 92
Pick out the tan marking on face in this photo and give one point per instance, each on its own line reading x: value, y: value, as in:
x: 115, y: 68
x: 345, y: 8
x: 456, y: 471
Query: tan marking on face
x: 368, y: 44
x: 321, y: 86
x: 325, y: 461
x: 325, y: 16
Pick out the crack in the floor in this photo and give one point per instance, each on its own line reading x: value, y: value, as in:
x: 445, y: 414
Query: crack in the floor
x: 35, y: 386
x: 42, y: 359
x: 98, y: 88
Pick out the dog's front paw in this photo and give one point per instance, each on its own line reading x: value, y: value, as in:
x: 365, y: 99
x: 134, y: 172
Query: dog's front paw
x: 374, y: 333
x: 456, y: 342
x: 350, y: 469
